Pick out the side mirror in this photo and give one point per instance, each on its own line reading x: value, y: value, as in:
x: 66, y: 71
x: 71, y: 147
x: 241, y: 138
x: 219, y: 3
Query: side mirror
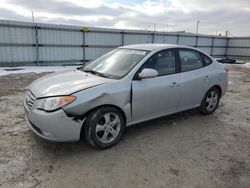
x: 148, y: 73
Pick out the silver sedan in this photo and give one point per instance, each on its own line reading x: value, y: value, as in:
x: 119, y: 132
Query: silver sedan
x: 128, y: 85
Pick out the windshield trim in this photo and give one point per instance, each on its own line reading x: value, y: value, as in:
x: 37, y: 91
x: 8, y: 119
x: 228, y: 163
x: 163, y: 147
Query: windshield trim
x: 114, y: 76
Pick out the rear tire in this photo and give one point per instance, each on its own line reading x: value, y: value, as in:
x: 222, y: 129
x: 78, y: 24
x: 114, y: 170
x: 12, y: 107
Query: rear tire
x: 104, y: 127
x: 210, y: 101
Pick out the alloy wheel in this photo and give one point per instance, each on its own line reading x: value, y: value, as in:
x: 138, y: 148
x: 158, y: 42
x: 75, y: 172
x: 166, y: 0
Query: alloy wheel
x: 211, y: 100
x: 108, y: 127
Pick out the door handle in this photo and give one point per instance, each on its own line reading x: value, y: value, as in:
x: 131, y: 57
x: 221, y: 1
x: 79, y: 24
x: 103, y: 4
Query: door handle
x: 206, y: 78
x: 174, y: 84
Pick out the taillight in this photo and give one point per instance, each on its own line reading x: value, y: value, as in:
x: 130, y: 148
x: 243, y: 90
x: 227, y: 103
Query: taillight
x: 226, y: 69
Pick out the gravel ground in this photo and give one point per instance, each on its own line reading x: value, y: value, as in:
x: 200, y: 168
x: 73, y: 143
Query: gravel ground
x: 181, y: 150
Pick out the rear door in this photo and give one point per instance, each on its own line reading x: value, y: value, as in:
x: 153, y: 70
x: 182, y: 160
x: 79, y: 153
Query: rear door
x: 157, y: 96
x: 193, y: 79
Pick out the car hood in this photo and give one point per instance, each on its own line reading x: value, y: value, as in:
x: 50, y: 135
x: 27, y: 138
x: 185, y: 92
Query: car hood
x: 65, y: 83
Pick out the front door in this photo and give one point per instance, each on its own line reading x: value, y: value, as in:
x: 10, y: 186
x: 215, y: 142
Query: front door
x: 154, y: 97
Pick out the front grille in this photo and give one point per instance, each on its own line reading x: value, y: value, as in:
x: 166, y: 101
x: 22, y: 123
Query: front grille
x: 29, y: 100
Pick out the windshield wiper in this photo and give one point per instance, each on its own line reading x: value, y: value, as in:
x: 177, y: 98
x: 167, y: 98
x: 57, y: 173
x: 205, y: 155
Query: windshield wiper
x: 95, y: 73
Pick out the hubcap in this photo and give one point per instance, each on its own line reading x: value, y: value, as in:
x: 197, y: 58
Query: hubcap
x: 211, y: 101
x: 108, y: 127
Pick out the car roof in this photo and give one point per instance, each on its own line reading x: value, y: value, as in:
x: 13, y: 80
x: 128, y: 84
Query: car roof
x: 153, y: 46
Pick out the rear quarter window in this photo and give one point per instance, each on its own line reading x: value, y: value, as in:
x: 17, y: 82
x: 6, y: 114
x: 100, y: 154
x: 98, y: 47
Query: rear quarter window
x: 207, y: 60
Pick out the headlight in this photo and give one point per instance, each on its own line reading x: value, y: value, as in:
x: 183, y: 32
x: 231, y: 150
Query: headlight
x: 54, y: 103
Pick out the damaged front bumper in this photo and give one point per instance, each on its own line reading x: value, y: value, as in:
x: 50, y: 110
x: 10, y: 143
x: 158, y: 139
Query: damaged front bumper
x: 53, y: 126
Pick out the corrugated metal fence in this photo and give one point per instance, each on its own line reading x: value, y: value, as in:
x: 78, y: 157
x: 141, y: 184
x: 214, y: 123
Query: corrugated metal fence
x: 239, y: 47
x: 23, y: 43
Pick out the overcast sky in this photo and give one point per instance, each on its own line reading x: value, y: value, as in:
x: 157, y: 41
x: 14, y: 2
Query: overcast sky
x: 214, y: 15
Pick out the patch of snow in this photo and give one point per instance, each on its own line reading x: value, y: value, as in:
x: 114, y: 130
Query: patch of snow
x: 34, y: 69
x: 247, y: 64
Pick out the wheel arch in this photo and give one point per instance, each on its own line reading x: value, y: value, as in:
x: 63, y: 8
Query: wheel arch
x: 214, y: 86
x: 104, y: 105
x: 218, y: 87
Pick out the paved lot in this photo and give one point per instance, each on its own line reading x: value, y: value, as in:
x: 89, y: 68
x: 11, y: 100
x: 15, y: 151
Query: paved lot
x: 182, y: 150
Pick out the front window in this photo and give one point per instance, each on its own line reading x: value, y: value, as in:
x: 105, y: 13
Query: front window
x: 115, y: 64
x: 163, y: 62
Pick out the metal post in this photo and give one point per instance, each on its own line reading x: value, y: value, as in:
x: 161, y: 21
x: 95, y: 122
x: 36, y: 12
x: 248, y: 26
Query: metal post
x: 177, y: 40
x: 196, y: 41
x: 122, y: 42
x: 11, y: 49
x: 37, y: 50
x: 153, y: 36
x: 84, y: 30
x: 212, y: 47
x: 226, y: 49
x: 83, y: 47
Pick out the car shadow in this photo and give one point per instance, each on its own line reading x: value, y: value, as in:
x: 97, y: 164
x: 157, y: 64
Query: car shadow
x: 166, y: 121
x: 131, y: 132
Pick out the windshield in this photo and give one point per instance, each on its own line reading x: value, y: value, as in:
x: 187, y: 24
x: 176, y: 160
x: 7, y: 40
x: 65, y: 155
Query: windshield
x: 116, y: 63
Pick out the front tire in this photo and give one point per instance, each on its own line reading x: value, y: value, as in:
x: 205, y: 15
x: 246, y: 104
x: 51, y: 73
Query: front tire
x: 104, y: 127
x: 210, y: 101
